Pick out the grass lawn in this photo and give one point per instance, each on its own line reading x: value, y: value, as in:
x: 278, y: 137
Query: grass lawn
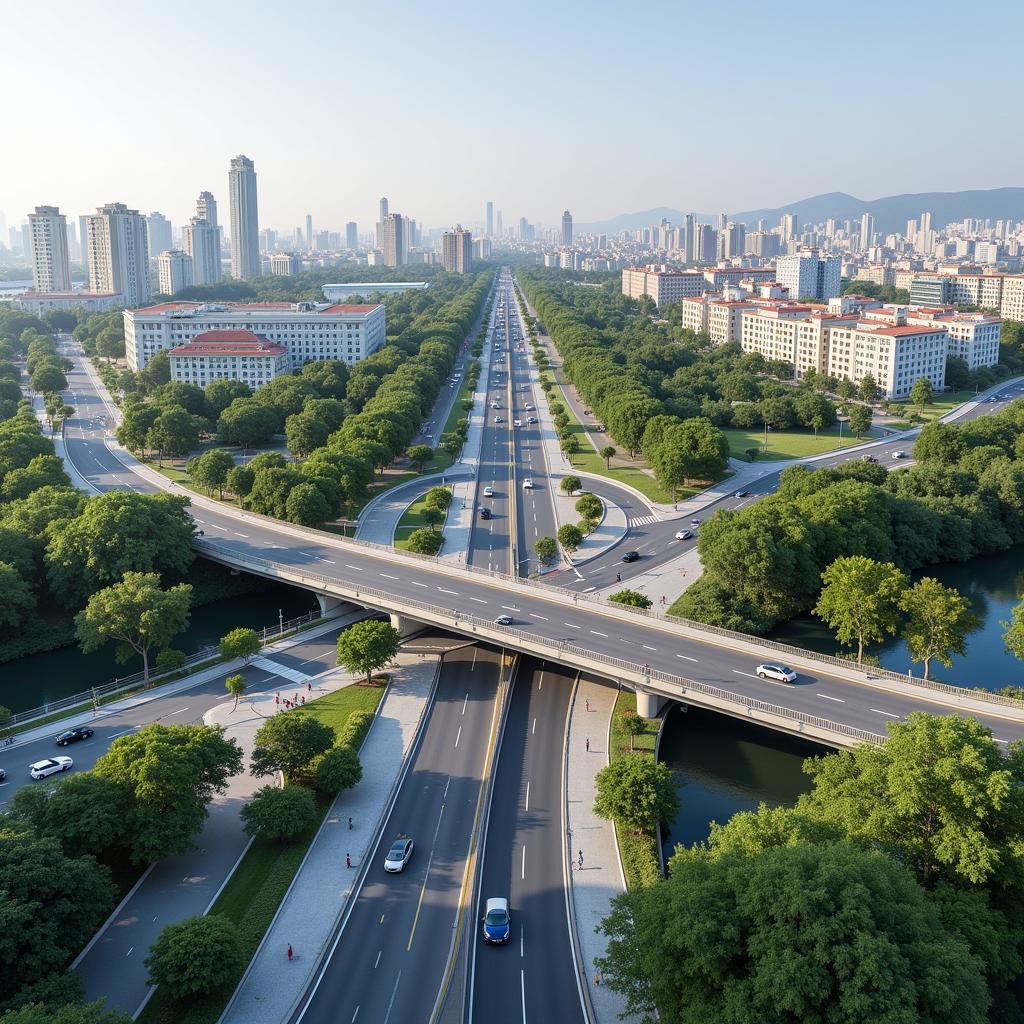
x: 786, y: 444
x: 940, y: 405
x: 412, y: 519
x: 252, y: 896
x: 639, y: 852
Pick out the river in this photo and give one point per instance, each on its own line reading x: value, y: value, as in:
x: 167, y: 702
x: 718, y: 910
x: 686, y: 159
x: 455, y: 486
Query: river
x: 28, y: 682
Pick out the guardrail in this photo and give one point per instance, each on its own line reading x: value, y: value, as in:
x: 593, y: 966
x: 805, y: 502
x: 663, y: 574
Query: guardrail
x: 679, y: 687
x: 95, y: 695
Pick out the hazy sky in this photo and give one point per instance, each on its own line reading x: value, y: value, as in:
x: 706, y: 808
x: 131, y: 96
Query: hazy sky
x: 603, y: 108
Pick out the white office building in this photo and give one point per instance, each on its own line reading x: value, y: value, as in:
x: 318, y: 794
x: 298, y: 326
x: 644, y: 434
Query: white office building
x: 159, y: 230
x: 201, y: 240
x: 663, y: 284
x: 48, y: 302
x: 174, y: 271
x: 48, y: 235
x: 457, y: 250
x: 245, y: 225
x: 118, y: 253
x: 285, y: 264
x: 308, y: 330
x: 809, y: 275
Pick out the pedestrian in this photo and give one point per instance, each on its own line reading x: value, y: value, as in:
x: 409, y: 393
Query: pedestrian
x: 309, y: 687
x: 290, y: 954
x: 618, y: 577
x: 348, y: 860
x: 303, y: 700
x: 662, y: 598
x: 587, y: 703
x: 350, y: 823
x: 588, y: 744
x: 581, y: 860
x: 597, y: 978
x: 277, y: 698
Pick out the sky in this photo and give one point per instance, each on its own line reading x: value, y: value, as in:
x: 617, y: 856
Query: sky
x: 602, y: 108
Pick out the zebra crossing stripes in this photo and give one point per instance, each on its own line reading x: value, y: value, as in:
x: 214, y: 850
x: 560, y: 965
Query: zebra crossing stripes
x: 643, y: 521
x: 275, y: 667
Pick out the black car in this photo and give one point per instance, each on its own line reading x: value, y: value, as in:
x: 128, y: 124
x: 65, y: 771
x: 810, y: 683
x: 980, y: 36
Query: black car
x: 485, y: 513
x: 73, y: 736
x: 631, y: 556
x: 743, y: 494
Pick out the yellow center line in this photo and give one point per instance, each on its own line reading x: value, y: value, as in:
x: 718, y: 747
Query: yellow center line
x: 423, y: 891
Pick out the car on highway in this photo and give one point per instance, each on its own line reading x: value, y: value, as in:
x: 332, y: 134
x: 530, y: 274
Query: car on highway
x: 398, y: 856
x: 869, y: 458
x: 499, y: 419
x: 497, y: 923
x: 49, y: 766
x: 517, y: 423
x: 684, y: 534
x: 528, y: 484
x: 631, y: 556
x: 531, y: 419
x: 488, y: 491
x: 74, y: 735
x: 495, y: 404
x: 503, y: 620
x: 742, y: 494
x: 485, y: 513
x: 780, y: 673
x: 528, y: 407
x: 695, y: 522
x: 899, y: 455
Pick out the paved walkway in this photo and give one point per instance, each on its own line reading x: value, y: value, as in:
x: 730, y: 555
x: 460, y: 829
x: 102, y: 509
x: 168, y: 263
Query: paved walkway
x: 272, y: 986
x: 601, y: 877
x: 111, y: 966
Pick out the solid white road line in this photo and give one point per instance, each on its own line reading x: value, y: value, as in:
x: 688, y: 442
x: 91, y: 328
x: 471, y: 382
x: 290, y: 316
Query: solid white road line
x: 685, y: 658
x: 889, y: 714
x: 838, y: 700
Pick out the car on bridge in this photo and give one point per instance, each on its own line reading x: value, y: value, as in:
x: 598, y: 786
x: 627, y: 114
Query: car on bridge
x: 398, y: 856
x: 497, y: 922
x: 485, y: 513
x: 49, y: 766
x: 504, y: 620
x: 74, y: 735
x: 528, y: 484
x: 780, y: 673
x: 488, y: 491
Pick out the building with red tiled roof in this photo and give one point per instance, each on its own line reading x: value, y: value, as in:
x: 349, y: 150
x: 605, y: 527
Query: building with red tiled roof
x: 309, y: 331
x: 234, y: 354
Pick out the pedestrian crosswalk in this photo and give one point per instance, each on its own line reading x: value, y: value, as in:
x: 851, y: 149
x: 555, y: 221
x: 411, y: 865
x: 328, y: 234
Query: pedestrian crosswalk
x: 643, y: 521
x: 275, y: 667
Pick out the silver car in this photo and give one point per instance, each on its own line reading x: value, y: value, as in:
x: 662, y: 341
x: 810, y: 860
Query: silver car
x: 49, y: 766
x: 780, y: 673
x: 398, y: 856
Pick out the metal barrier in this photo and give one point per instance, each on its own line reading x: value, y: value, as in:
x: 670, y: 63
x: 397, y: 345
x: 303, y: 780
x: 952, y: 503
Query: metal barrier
x: 681, y: 685
x: 94, y: 695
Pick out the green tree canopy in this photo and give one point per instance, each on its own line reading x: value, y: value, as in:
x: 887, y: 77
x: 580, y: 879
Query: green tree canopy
x: 638, y: 792
x: 337, y: 769
x: 569, y: 536
x: 367, y: 646
x: 287, y: 743
x: 631, y: 597
x: 939, y: 619
x: 196, y: 956
x: 242, y: 642
x: 211, y: 470
x: 546, y: 549
x: 279, y: 814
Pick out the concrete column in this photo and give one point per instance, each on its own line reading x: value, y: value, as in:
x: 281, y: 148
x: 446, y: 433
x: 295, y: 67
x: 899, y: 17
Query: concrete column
x: 329, y: 603
x: 648, y: 705
x: 404, y: 624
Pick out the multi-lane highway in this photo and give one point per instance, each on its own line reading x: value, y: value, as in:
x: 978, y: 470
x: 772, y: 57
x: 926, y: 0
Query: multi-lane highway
x: 525, y: 860
x: 389, y: 961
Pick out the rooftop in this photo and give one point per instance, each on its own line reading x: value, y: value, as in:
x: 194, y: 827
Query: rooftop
x: 229, y: 343
x: 245, y: 308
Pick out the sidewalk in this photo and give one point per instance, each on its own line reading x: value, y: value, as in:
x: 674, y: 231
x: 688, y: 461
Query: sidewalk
x: 271, y: 987
x: 112, y: 966
x: 601, y: 877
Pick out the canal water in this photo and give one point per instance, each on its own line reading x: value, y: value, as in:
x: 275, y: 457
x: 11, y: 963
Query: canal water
x: 993, y: 585
x: 28, y: 682
x: 723, y: 765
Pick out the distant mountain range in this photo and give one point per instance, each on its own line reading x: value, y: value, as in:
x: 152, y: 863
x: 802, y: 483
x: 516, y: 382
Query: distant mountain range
x: 891, y: 213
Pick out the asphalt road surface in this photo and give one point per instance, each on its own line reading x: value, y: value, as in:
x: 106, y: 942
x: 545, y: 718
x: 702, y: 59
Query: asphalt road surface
x: 525, y: 860
x: 390, y: 958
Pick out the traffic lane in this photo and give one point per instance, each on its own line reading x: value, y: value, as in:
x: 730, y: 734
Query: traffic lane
x: 639, y: 642
x: 179, y: 708
x: 533, y: 977
x: 392, y: 952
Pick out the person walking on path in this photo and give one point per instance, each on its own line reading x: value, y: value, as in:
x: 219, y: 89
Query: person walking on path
x: 587, y: 704
x: 588, y: 744
x: 309, y: 686
x: 277, y: 698
x: 350, y: 823
x: 290, y: 954
x: 348, y: 860
x: 581, y: 860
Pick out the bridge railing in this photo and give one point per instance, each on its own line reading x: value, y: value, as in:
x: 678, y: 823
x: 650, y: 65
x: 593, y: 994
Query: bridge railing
x: 642, y: 674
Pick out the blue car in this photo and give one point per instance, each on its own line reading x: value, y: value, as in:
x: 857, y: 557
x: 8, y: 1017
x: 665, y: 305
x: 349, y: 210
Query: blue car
x: 497, y: 923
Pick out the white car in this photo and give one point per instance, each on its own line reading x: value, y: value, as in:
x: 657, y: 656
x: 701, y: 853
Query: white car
x: 398, y: 856
x: 498, y: 419
x: 528, y: 484
x: 50, y: 766
x: 503, y: 620
x: 684, y: 535
x: 495, y: 404
x: 528, y: 407
x: 899, y: 455
x: 517, y: 423
x: 488, y: 491
x: 780, y: 673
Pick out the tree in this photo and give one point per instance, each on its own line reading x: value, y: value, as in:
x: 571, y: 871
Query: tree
x: 570, y: 484
x: 439, y: 498
x: 304, y: 433
x: 637, y: 792
x: 135, y: 426
x: 546, y: 549
x: 367, y: 646
x: 239, y: 482
x: 137, y: 614
x: 48, y: 377
x: 860, y: 600
x: 868, y: 388
x: 420, y: 455
x: 241, y: 643
x: 67, y: 1013
x: 168, y: 774
x: 110, y: 343
x: 938, y: 624
x: 425, y: 542
x: 287, y: 743
x: 571, y: 446
x: 921, y: 394
x: 337, y: 769
x: 452, y: 444
x: 432, y: 516
x: 211, y: 470
x: 751, y: 453
x: 846, y: 388
x: 1013, y: 636
x: 632, y: 724
x: 175, y: 432
x: 569, y: 536
x: 235, y: 685
x: 633, y: 598
x: 767, y: 938
x: 280, y: 814
x: 607, y: 453
x: 307, y: 505
x: 939, y: 443
x: 860, y: 419
x: 16, y: 596
x: 248, y: 423
x: 196, y: 956
x: 589, y: 506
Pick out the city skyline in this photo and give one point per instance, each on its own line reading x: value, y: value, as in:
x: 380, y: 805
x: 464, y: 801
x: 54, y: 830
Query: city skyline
x: 578, y: 134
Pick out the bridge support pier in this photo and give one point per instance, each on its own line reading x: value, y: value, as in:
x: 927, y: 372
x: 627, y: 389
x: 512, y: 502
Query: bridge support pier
x: 648, y: 705
x: 404, y: 624
x: 329, y: 603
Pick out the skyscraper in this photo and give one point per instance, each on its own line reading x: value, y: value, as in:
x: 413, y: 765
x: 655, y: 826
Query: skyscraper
x: 51, y: 265
x: 245, y: 226
x: 351, y: 235
x: 566, y: 228
x: 867, y: 230
x: 789, y: 224
x: 83, y: 246
x: 159, y: 228
x: 174, y: 270
x: 206, y: 208
x: 490, y: 219
x: 309, y: 232
x: 498, y: 225
x: 691, y: 238
x: 457, y: 250
x: 381, y: 217
x: 201, y: 240
x: 394, y: 239
x: 118, y: 250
